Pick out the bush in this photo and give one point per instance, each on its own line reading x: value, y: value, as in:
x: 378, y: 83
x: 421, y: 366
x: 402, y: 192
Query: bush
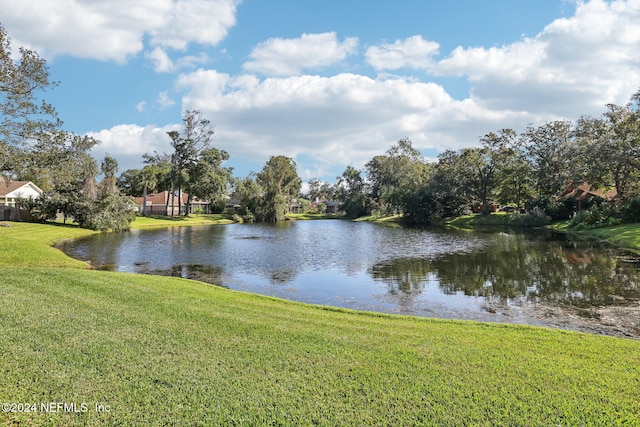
x: 630, y: 211
x: 536, y: 217
x: 554, y: 209
x: 602, y: 215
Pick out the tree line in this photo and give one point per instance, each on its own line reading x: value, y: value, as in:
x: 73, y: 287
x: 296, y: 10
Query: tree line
x: 526, y: 170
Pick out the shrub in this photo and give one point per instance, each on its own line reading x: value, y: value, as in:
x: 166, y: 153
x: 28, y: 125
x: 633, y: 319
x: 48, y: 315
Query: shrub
x: 536, y: 217
x: 630, y: 211
x: 554, y: 209
x: 597, y: 216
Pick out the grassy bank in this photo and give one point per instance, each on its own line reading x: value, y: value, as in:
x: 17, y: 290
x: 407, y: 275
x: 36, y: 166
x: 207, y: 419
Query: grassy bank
x: 169, y: 221
x: 380, y: 218
x: 310, y: 216
x: 498, y: 219
x: 167, y: 351
x: 625, y: 235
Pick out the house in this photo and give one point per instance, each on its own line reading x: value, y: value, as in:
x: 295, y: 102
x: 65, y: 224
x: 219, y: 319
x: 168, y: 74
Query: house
x: 584, y: 195
x: 333, y: 207
x: 163, y: 204
x: 12, y: 191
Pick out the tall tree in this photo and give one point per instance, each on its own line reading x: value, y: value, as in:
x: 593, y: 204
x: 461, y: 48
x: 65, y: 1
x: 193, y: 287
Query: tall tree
x: 515, y: 178
x: 552, y: 154
x: 208, y: 179
x: 108, y: 210
x: 247, y: 193
x: 280, y: 183
x: 60, y: 163
x: 188, y: 146
x: 448, y: 194
x: 353, y: 193
x: 395, y: 176
x: 23, y: 115
x: 320, y: 190
x: 610, y: 148
x: 191, y: 151
x: 484, y: 164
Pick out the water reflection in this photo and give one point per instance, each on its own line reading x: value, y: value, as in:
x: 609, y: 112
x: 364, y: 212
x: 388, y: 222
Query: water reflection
x: 521, y: 268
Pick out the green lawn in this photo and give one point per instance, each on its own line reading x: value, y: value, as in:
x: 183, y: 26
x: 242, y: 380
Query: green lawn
x: 308, y: 216
x: 171, y: 221
x: 499, y: 219
x: 624, y: 235
x: 168, y: 351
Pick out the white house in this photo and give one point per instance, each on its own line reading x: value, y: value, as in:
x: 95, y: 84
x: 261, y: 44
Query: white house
x: 13, y: 190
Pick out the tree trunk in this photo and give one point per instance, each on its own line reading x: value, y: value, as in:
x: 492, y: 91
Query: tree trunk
x: 186, y: 210
x: 144, y: 201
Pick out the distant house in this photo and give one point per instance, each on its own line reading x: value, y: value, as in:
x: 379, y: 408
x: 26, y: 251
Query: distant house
x: 584, y: 195
x: 164, y: 204
x: 11, y: 193
x: 296, y: 207
x: 332, y: 206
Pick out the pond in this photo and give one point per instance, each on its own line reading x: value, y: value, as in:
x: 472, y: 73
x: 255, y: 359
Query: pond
x: 537, y: 278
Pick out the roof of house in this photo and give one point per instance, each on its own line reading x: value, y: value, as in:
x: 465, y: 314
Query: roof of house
x: 11, y: 186
x: 584, y: 191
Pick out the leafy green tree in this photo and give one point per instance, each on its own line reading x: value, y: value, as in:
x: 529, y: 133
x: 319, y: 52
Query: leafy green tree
x: 320, y: 190
x: 208, y: 180
x: 109, y: 210
x: 59, y: 162
x: 247, y: 193
x: 447, y: 194
x: 395, y: 176
x: 189, y: 146
x: 352, y: 192
x: 610, y: 148
x: 552, y: 155
x: 23, y: 115
x: 280, y: 183
x: 484, y: 164
x: 515, y: 178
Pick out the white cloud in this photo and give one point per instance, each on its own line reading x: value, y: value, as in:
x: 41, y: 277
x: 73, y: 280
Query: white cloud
x: 342, y: 119
x: 414, y: 52
x: 160, y: 60
x: 114, y: 29
x: 285, y: 57
x: 140, y: 106
x: 164, y: 100
x: 162, y: 63
x: 129, y: 142
x: 574, y: 66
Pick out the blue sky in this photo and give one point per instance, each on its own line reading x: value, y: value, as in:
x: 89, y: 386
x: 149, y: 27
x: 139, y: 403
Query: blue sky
x: 330, y: 83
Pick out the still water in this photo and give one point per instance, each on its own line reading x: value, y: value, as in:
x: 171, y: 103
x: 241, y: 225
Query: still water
x: 535, y: 278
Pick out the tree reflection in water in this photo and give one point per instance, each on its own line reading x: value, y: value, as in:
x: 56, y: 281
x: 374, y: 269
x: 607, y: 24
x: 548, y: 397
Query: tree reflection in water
x: 516, y: 268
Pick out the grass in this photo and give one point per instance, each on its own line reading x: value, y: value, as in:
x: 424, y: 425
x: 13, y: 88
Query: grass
x: 311, y: 216
x: 624, y: 235
x: 380, y: 218
x: 168, y: 221
x: 168, y: 351
x: 497, y: 219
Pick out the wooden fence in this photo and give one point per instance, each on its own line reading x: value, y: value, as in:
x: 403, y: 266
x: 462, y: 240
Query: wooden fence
x: 8, y: 213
